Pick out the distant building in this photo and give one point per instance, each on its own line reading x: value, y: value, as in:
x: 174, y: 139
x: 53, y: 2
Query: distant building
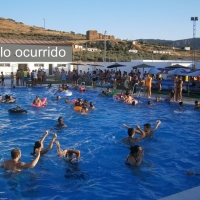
x: 78, y: 46
x: 94, y: 35
x: 133, y: 51
x: 187, y: 48
x: 162, y: 52
x: 91, y: 49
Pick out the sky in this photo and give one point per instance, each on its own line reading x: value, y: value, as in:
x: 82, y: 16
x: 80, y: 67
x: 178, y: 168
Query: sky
x: 124, y: 19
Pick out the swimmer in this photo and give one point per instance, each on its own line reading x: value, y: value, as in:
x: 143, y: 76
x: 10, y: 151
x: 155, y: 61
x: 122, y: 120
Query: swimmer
x: 37, y: 101
x: 135, y: 156
x: 180, y: 104
x: 149, y: 103
x: 14, y: 163
x: 158, y: 99
x: 68, y: 154
x: 85, y: 102
x: 131, y: 133
x: 18, y: 108
x: 84, y: 110
x: 91, y: 105
x: 171, y: 96
x: 197, y: 104
x: 58, y: 98
x: 192, y: 173
x: 1, y: 98
x: 39, y: 144
x: 147, y: 128
x: 133, y: 103
x: 60, y: 122
x: 66, y: 100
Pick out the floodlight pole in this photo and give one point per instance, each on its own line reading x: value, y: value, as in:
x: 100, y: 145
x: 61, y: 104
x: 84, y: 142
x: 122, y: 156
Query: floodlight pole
x: 194, y: 19
x: 105, y: 46
x: 44, y: 23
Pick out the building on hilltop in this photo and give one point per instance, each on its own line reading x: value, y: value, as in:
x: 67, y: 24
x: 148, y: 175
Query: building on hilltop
x: 94, y: 35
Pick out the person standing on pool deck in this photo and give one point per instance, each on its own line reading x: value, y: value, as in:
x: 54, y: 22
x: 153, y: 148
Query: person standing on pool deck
x: 39, y: 144
x: 131, y: 133
x: 148, y: 81
x: 14, y: 163
x: 147, y: 128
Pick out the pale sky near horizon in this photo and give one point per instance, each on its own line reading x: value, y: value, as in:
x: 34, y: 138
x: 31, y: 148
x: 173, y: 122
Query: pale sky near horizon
x: 125, y: 19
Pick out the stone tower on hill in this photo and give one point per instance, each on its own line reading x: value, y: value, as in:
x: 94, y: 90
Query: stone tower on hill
x: 94, y: 35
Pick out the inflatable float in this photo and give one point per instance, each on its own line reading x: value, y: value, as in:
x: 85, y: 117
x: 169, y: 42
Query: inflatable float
x: 64, y: 94
x: 117, y: 97
x: 17, y: 111
x: 77, y: 108
x: 10, y: 101
x: 43, y: 103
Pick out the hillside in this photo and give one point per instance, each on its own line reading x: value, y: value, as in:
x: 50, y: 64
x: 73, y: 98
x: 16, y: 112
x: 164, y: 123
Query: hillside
x: 116, y: 50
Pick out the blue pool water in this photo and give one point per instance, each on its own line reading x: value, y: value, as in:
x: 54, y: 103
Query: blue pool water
x: 102, y: 172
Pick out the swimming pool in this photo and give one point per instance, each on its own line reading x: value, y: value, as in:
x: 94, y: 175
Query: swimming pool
x: 102, y: 172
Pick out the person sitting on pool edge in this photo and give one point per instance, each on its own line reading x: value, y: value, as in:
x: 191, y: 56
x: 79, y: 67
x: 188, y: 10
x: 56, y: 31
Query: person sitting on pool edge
x: 14, y: 163
x: 69, y: 155
x: 135, y: 156
x: 147, y: 128
x: 197, y: 104
x: 131, y: 133
x: 60, y: 122
x: 39, y: 144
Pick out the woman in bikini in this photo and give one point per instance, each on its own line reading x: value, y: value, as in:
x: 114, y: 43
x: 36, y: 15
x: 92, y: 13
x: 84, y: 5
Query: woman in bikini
x: 135, y: 156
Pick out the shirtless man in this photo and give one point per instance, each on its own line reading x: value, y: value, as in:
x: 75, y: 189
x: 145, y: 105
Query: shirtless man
x: 147, y: 129
x: 131, y: 133
x: 14, y: 163
x: 68, y: 154
x: 60, y: 122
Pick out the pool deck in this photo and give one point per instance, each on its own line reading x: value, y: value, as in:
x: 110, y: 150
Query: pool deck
x: 190, y: 194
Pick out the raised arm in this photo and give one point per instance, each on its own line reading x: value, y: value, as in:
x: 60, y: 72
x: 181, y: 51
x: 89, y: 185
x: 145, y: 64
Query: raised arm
x: 50, y: 145
x: 59, y: 151
x: 141, y: 132
x: 126, y: 126
x: 44, y: 136
x: 155, y: 128
x: 22, y: 165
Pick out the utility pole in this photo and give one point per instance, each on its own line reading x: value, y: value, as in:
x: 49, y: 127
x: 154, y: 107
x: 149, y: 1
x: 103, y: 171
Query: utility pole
x: 105, y: 46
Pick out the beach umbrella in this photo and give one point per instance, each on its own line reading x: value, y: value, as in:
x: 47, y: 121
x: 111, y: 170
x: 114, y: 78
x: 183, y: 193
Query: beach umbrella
x: 196, y: 73
x: 95, y: 64
x: 116, y: 65
x: 77, y: 64
x: 143, y: 65
x: 176, y: 66
x: 154, y: 71
x: 178, y: 71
